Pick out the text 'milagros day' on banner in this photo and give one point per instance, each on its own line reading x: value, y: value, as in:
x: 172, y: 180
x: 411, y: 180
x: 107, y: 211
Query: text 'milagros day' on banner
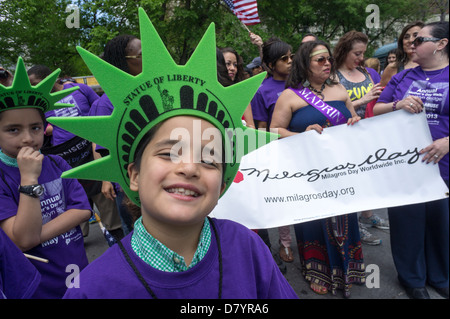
x: 370, y: 165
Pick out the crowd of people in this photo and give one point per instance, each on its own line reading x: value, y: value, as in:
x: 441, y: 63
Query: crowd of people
x: 33, y: 152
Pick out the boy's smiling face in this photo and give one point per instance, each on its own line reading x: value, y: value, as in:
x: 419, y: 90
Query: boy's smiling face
x: 20, y: 128
x: 180, y: 176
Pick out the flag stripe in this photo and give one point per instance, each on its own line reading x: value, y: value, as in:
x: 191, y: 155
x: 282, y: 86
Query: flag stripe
x: 245, y: 10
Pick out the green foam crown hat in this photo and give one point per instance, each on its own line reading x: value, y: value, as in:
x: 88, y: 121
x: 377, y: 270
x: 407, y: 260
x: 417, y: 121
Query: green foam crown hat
x: 21, y: 94
x: 163, y: 90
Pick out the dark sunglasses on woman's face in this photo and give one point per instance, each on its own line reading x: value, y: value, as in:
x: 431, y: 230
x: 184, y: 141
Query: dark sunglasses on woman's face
x: 286, y: 58
x: 322, y: 60
x: 419, y: 40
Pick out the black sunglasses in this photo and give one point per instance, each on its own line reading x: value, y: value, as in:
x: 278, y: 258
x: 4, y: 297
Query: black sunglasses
x: 286, y: 58
x: 323, y: 59
x: 419, y: 40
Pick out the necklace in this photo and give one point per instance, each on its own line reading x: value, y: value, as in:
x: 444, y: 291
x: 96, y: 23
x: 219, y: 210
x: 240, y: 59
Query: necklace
x: 427, y: 78
x: 147, y: 287
x: 318, y: 92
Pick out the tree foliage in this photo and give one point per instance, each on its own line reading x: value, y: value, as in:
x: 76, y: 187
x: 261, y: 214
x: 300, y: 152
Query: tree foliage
x: 37, y: 30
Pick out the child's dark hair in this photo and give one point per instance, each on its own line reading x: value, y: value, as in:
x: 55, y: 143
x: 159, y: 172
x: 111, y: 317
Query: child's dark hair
x: 132, y: 208
x: 41, y: 114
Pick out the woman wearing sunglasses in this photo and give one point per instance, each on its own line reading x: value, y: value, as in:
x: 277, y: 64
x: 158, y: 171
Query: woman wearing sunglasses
x: 404, y: 52
x: 419, y: 233
x: 277, y: 59
x: 327, y: 266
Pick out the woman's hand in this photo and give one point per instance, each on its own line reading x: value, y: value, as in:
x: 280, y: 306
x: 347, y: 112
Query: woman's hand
x: 315, y: 127
x: 354, y: 119
x: 373, y: 94
x: 436, y: 151
x: 256, y: 39
x: 411, y: 104
x: 108, y: 190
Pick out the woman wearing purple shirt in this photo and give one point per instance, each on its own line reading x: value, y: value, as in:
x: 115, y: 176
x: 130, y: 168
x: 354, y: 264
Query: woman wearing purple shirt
x: 277, y: 56
x: 419, y: 233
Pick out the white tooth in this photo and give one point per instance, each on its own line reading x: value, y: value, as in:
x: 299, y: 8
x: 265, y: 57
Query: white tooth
x: 182, y: 191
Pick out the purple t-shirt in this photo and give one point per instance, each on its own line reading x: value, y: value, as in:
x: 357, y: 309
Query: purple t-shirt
x: 434, y: 93
x: 376, y: 78
x: 249, y: 272
x: 101, y: 107
x: 18, y: 277
x: 59, y: 196
x: 82, y: 100
x: 265, y: 98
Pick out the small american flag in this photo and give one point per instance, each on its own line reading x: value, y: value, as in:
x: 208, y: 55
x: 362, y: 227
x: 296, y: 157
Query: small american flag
x: 245, y: 10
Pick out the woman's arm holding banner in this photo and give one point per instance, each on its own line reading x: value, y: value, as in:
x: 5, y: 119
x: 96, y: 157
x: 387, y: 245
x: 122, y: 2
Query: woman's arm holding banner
x: 282, y: 114
x: 348, y: 102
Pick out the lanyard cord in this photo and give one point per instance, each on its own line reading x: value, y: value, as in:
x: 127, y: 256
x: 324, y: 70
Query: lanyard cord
x: 147, y: 287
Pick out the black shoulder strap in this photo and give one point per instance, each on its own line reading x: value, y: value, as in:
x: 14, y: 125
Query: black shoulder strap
x: 136, y: 271
x: 147, y: 287
x: 53, y: 160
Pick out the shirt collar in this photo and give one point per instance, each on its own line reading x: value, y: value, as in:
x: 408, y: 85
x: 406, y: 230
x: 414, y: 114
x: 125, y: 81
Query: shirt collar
x: 157, y: 255
x: 9, y: 161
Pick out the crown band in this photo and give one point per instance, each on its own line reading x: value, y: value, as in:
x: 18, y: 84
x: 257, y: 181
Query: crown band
x: 318, y: 52
x: 21, y: 94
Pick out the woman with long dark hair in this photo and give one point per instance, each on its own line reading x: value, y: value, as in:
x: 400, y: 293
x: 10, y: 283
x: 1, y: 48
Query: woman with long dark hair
x: 404, y: 52
x: 330, y: 248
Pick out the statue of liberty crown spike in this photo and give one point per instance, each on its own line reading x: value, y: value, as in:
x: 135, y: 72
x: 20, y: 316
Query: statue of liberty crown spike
x: 21, y: 94
x: 163, y: 90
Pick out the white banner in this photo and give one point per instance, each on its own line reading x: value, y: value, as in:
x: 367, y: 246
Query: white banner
x: 372, y: 164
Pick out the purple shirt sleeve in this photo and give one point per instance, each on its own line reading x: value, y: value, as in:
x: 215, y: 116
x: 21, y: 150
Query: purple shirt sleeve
x: 387, y: 95
x: 376, y: 78
x: 18, y: 277
x: 260, y: 113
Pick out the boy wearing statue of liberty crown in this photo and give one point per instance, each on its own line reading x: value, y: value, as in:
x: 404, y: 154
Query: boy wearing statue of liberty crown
x: 175, y: 250
x: 40, y: 210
